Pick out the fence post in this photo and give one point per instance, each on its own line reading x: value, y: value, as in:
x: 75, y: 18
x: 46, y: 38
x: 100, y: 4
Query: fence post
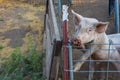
x: 117, y: 15
x: 70, y: 62
x: 70, y: 2
x: 65, y: 41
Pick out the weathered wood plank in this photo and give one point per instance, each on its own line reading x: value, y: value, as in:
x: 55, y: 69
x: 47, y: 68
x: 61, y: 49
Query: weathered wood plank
x: 57, y: 68
x: 57, y: 34
x: 44, y: 47
x: 54, y: 68
x: 49, y: 49
x: 55, y: 62
x: 52, y: 43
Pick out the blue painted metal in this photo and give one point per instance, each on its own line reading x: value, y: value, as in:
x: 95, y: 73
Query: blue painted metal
x: 108, y: 63
x: 111, y: 6
x: 98, y: 71
x: 117, y: 15
x: 114, y: 7
x: 60, y: 7
x: 96, y: 60
x: 70, y: 2
x: 70, y: 62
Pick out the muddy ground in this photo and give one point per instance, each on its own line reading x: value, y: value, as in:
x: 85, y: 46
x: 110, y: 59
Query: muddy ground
x: 21, y: 25
x: 96, y: 9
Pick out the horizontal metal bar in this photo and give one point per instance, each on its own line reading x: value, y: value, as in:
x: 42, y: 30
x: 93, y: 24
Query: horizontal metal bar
x: 93, y: 49
x: 105, y: 44
x: 96, y: 60
x: 101, y: 43
x: 93, y: 71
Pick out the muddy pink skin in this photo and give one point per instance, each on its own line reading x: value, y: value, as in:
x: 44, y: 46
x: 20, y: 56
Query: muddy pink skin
x: 76, y: 42
x: 87, y: 29
x: 90, y: 29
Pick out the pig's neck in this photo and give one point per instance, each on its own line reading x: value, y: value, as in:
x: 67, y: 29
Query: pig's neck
x: 101, y: 38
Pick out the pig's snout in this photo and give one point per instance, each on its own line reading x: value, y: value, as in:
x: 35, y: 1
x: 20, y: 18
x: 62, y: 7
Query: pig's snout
x: 77, y: 42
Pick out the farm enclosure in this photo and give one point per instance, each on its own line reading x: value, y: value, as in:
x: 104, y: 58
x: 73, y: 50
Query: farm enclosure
x: 89, y: 8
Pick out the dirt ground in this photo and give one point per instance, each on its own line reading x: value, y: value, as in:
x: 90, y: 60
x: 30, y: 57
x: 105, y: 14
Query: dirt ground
x: 21, y: 24
x: 96, y: 9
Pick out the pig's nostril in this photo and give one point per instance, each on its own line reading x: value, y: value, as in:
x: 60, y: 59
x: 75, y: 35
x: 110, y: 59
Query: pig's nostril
x: 79, y: 43
x: 75, y: 40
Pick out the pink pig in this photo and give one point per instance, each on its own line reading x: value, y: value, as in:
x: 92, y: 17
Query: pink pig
x: 90, y: 29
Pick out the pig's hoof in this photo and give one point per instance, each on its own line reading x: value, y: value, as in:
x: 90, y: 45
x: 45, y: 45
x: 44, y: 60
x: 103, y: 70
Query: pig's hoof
x: 77, y: 67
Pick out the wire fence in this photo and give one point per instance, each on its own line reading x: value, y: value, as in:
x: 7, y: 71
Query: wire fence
x: 93, y: 69
x: 103, y: 69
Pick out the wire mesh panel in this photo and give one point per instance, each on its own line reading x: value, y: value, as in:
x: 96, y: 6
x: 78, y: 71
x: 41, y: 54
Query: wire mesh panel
x: 93, y: 67
x: 96, y: 69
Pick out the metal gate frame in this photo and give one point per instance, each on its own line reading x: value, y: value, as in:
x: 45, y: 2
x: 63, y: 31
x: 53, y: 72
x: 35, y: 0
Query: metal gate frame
x: 114, y: 7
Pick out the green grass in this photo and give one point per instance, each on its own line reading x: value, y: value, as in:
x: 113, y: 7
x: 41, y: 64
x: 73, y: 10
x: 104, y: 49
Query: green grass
x: 36, y: 5
x: 21, y: 67
x: 1, y: 47
x: 1, y: 19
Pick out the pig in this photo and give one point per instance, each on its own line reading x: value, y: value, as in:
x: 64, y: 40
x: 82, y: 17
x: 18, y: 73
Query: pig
x: 91, y: 30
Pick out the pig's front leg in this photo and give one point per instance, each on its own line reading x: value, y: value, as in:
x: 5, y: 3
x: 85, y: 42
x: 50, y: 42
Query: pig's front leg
x: 83, y: 57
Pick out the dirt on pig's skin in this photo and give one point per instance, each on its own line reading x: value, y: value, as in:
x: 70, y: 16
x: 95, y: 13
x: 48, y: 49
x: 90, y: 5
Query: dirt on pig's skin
x: 20, y: 24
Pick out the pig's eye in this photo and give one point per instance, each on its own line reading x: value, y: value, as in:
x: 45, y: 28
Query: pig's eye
x: 76, y: 30
x: 89, y: 30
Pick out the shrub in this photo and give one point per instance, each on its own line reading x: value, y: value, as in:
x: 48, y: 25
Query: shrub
x: 20, y: 67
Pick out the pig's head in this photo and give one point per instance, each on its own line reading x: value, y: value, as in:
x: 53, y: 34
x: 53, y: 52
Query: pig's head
x: 86, y: 29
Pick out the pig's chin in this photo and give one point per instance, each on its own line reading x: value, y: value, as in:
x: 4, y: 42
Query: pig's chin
x: 79, y: 45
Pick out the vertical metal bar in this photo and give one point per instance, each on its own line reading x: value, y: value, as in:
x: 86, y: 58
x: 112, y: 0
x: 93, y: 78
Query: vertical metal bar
x: 117, y: 15
x: 111, y: 6
x: 108, y: 63
x: 89, y: 72
x: 59, y: 7
x: 70, y: 62
x: 70, y: 2
x: 65, y: 41
x: 65, y: 50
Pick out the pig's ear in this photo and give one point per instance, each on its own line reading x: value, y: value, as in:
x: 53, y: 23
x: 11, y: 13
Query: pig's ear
x: 76, y: 17
x: 101, y: 27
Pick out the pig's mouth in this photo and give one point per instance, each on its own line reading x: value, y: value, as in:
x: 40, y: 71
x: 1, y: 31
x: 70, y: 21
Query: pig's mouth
x: 77, y: 43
